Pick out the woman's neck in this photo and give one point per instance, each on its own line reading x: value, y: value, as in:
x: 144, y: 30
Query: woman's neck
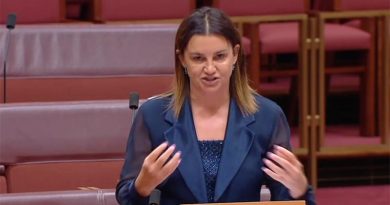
x: 211, y: 102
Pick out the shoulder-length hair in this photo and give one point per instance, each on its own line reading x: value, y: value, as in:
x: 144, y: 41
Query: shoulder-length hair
x: 211, y: 21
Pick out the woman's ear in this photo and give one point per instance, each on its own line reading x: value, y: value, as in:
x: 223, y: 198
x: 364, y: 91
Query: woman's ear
x: 181, y: 58
x: 236, y: 51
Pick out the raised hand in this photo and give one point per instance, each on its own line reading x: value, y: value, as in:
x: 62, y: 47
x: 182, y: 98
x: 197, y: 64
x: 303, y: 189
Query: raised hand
x: 284, y: 167
x: 156, y: 168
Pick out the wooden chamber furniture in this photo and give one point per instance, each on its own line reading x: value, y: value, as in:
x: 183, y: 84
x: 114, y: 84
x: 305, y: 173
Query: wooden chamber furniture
x: 261, y: 203
x: 372, y: 14
x: 277, y: 27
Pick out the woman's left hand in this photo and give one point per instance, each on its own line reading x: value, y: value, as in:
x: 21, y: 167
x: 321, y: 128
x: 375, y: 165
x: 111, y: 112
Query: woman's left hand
x: 284, y: 167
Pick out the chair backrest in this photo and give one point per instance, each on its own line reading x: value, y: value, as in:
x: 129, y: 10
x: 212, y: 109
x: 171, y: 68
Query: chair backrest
x: 119, y: 10
x: 95, y: 61
x: 60, y: 143
x: 343, y: 5
x: 88, y: 197
x: 351, y: 5
x: 90, y: 50
x: 33, y: 11
x: 323, y: 5
x: 256, y: 7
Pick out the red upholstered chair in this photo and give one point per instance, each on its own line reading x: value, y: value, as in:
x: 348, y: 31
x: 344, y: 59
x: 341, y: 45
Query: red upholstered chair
x: 277, y: 27
x: 133, y: 10
x: 338, y: 34
x: 62, y: 145
x: 33, y: 11
x: 274, y: 27
x: 277, y: 33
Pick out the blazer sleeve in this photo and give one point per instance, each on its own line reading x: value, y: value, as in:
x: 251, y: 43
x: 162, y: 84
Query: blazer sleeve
x: 281, y: 137
x: 138, y: 147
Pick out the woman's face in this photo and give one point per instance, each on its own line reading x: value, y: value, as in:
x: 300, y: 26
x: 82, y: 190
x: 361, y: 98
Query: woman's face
x: 209, y: 60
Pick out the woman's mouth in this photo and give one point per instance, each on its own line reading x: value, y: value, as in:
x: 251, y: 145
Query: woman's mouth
x: 209, y: 81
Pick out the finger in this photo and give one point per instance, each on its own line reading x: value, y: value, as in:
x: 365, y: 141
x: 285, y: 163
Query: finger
x: 164, y: 156
x: 288, y: 156
x: 274, y: 168
x: 284, y: 164
x: 291, y: 172
x: 273, y: 175
x: 172, y: 164
x: 277, y: 173
x: 286, y: 182
x: 152, y: 157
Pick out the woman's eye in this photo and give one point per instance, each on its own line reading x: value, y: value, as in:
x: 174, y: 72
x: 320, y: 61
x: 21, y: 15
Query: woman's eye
x: 197, y: 58
x: 220, y: 56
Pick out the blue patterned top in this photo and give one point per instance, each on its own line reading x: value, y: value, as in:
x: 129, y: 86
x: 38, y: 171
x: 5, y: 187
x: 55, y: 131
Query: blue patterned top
x: 210, y: 152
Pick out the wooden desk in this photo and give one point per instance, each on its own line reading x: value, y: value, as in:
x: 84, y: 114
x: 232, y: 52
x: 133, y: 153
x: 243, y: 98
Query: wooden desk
x: 260, y: 203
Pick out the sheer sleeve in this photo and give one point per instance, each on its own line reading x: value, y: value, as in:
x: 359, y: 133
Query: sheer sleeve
x: 138, y: 147
x: 281, y: 137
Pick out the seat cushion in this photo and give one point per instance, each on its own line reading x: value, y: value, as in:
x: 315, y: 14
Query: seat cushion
x: 356, y: 23
x: 344, y: 83
x: 340, y: 37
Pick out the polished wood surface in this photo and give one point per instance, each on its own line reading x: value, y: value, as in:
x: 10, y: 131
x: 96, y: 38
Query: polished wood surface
x: 260, y: 203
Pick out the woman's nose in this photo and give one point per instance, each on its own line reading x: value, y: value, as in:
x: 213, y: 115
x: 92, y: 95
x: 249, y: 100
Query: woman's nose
x: 210, y: 67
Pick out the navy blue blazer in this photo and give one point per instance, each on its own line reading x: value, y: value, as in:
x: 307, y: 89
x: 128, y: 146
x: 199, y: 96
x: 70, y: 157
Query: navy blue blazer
x: 239, y: 178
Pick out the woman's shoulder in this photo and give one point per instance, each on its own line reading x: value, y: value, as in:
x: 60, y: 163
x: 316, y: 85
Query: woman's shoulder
x: 155, y: 104
x: 266, y: 105
x: 269, y: 116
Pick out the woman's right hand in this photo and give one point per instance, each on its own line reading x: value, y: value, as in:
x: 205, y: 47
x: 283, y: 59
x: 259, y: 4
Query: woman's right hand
x: 156, y: 168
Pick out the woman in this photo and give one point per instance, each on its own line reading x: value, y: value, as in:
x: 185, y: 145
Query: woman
x: 212, y: 139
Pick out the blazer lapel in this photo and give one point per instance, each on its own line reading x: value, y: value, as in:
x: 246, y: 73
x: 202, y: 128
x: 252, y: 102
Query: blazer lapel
x: 238, y: 140
x: 183, y: 135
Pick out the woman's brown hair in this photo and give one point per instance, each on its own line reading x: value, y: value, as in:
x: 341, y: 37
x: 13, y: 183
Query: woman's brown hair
x: 211, y: 21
